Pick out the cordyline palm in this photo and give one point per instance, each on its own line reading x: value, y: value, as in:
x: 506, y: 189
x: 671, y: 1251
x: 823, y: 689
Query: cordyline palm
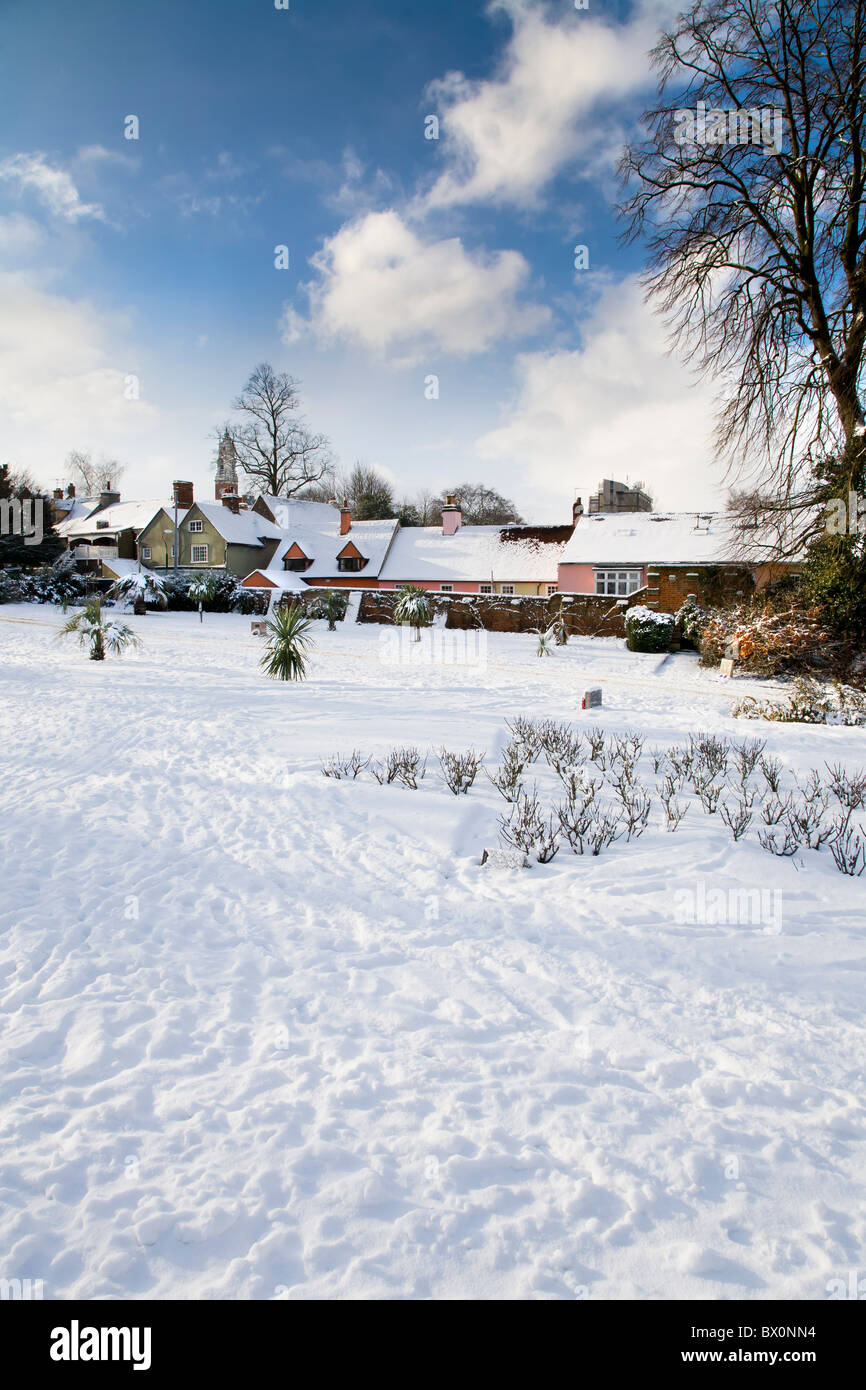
x: 101, y: 637
x: 333, y: 607
x: 284, y: 658
x: 202, y: 590
x: 413, y: 607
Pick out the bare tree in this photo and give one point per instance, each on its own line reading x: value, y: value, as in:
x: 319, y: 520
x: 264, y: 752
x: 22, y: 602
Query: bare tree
x: 276, y: 448
x: 480, y: 505
x: 752, y: 206
x: 93, y: 476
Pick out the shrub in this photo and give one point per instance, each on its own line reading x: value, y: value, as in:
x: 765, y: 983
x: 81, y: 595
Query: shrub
x: 834, y: 581
x: 648, y: 631
x: 330, y: 605
x: 812, y: 702
x: 772, y: 639
x: 92, y: 631
x: 691, y: 620
x: 413, y: 607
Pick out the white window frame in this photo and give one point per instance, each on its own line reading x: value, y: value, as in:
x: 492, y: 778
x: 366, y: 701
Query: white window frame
x: 446, y: 588
x: 146, y: 552
x: 507, y: 590
x: 617, y: 583
x: 485, y: 588
x: 198, y: 560
x: 552, y: 589
x: 195, y: 528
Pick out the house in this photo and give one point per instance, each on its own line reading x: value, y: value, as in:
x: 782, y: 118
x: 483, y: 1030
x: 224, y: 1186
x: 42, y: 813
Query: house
x: 669, y: 554
x: 320, y: 547
x: 108, y: 531
x: 225, y: 534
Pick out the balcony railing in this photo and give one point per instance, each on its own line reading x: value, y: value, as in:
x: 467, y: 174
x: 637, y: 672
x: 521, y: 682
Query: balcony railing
x: 96, y: 552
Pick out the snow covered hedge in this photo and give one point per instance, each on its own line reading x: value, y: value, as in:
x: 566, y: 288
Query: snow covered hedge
x: 57, y: 583
x: 772, y: 638
x: 648, y: 631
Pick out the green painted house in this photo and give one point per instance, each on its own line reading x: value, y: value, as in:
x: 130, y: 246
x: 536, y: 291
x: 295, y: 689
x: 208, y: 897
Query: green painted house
x: 211, y: 535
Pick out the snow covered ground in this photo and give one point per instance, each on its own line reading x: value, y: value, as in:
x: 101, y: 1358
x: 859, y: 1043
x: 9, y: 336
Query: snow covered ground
x: 269, y: 1035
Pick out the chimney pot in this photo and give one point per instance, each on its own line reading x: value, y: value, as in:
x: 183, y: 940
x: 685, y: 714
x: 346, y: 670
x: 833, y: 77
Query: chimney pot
x: 70, y: 490
x: 58, y: 494
x: 232, y: 501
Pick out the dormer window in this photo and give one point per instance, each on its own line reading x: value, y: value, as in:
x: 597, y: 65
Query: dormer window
x: 295, y: 559
x: 350, y: 560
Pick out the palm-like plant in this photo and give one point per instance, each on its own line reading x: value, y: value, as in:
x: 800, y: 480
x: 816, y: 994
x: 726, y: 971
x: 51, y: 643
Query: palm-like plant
x: 202, y: 590
x: 288, y: 641
x: 139, y: 589
x: 332, y: 606
x: 100, y: 636
x: 413, y: 607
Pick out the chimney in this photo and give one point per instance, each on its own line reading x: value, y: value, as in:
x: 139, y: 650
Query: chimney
x: 108, y: 497
x: 452, y: 517
x: 58, y: 494
x: 232, y: 501
x: 577, y: 510
x: 184, y: 493
x: 70, y: 490
x: 345, y: 518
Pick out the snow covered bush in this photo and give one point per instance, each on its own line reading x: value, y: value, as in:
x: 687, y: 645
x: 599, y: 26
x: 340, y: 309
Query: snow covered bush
x: 771, y: 638
x: 460, y: 769
x: 10, y: 586
x: 228, y: 596
x: 648, y: 631
x: 330, y: 605
x: 139, y: 589
x: 812, y: 702
x: 58, y: 583
x: 691, y: 620
x: 101, y: 637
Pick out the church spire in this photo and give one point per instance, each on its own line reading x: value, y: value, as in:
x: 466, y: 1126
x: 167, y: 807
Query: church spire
x: 226, y: 484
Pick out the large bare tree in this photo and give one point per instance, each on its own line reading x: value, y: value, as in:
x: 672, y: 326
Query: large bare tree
x: 755, y: 227
x: 276, y: 448
x: 92, y: 476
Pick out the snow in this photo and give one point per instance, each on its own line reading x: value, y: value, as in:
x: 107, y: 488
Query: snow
x: 118, y: 517
x: 268, y: 1035
x: 421, y: 554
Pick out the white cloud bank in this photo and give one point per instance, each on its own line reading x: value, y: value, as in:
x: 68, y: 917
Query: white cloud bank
x: 617, y: 405
x: 505, y: 137
x: 384, y: 287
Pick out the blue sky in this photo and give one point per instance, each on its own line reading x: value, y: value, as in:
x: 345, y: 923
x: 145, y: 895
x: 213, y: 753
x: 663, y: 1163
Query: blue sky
x: 409, y: 257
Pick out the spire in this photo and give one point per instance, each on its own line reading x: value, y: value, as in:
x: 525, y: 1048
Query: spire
x: 226, y: 469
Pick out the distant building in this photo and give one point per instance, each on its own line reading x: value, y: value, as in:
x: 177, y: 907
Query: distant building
x: 226, y: 482
x: 619, y: 497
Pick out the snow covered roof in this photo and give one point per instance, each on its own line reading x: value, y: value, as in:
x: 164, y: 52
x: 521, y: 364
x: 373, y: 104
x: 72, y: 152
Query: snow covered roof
x: 647, y: 538
x: 294, y: 513
x: 285, y: 581
x: 120, y: 516
x: 244, y: 528
x: 120, y: 568
x: 473, y: 553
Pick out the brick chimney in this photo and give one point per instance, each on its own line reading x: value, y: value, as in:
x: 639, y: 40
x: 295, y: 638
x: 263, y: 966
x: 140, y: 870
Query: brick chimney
x: 108, y: 497
x: 452, y: 517
x: 577, y: 510
x: 58, y: 494
x: 70, y: 490
x: 232, y: 501
x: 345, y: 518
x: 185, y: 494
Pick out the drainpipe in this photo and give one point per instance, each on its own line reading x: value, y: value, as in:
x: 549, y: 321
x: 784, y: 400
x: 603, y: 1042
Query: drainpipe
x: 175, y: 524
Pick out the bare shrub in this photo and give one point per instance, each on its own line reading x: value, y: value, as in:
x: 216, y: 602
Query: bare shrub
x: 460, y: 769
x: 508, y: 778
x: 737, y: 817
x: 341, y: 768
x: 403, y: 765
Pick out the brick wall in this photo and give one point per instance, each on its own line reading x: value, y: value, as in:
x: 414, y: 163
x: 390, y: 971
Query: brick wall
x: 586, y: 615
x: 668, y: 586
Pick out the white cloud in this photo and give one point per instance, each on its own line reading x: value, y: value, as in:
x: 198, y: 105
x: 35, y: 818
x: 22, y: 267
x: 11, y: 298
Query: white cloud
x: 19, y: 236
x: 504, y: 138
x: 53, y: 187
x: 618, y: 405
x: 58, y: 388
x: 382, y: 286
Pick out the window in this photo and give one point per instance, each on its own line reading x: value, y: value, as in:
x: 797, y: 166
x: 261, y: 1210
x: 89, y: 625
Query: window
x: 146, y: 552
x: 619, y: 582
x: 485, y: 588
x: 552, y: 589
x: 298, y: 563
x: 446, y: 588
x: 196, y: 526
x: 351, y: 563
x: 199, y: 554
x: 507, y: 589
